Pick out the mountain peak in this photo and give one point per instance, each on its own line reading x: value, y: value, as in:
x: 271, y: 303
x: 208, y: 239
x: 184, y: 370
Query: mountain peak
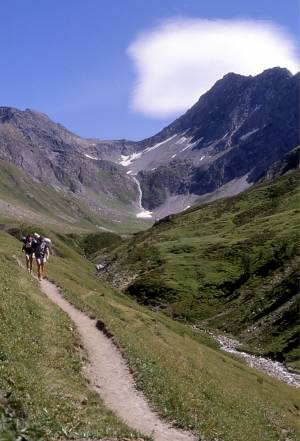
x: 8, y: 112
x: 36, y: 114
x: 14, y: 114
x: 234, y: 132
x: 232, y: 76
x: 224, y: 143
x: 275, y: 72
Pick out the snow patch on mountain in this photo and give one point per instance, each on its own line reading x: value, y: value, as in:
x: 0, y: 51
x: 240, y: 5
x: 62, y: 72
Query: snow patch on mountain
x: 192, y: 144
x: 155, y: 146
x: 91, y: 157
x: 127, y: 160
x: 258, y: 106
x: 182, y: 140
x: 248, y: 134
x: 144, y: 214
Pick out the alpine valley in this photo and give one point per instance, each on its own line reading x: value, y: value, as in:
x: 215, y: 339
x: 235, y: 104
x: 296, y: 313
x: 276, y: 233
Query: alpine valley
x: 175, y: 248
x: 221, y: 146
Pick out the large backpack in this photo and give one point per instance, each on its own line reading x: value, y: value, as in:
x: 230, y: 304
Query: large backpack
x: 41, y: 249
x: 28, y: 244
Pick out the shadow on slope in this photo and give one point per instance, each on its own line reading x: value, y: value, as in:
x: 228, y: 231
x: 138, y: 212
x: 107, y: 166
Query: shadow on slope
x: 230, y: 265
x: 22, y: 198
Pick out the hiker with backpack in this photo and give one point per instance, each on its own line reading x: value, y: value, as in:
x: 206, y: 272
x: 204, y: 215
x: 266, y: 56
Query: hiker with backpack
x: 41, y: 255
x: 29, y: 248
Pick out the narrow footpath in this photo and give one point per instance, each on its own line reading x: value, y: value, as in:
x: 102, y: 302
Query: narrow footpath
x: 110, y: 377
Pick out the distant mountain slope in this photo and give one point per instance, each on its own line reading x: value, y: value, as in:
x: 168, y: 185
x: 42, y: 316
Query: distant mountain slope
x: 287, y: 164
x: 230, y: 137
x: 51, y: 155
x: 224, y: 144
x: 232, y: 264
x: 23, y: 199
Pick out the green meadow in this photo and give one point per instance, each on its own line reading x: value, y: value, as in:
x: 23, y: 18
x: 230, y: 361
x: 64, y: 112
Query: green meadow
x: 231, y: 265
x: 183, y: 373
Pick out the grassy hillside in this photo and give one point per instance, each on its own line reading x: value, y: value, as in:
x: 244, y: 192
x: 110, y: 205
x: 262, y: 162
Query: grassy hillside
x: 183, y: 374
x: 43, y: 394
x: 91, y: 245
x: 231, y: 265
x: 22, y: 198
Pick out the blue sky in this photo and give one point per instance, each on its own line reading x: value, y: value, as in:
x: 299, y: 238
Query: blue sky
x: 70, y: 59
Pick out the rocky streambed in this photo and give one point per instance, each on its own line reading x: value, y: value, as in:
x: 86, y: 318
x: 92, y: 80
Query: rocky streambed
x: 266, y: 365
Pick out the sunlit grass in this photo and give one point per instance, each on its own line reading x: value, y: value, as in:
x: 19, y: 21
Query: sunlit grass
x: 227, y: 263
x: 183, y: 374
x: 40, y: 365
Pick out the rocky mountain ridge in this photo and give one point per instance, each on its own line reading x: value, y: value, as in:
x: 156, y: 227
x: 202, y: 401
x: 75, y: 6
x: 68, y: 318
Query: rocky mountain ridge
x: 221, y: 146
x: 287, y: 164
x: 53, y: 156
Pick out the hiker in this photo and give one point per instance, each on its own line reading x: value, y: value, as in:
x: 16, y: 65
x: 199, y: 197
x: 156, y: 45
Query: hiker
x: 29, y: 247
x: 41, y: 255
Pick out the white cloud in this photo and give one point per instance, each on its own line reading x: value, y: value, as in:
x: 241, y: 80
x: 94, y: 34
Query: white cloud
x: 182, y: 58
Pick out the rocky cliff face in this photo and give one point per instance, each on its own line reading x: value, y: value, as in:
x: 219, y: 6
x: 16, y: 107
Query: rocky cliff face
x: 287, y: 164
x: 236, y: 131
x: 52, y: 155
x: 224, y: 144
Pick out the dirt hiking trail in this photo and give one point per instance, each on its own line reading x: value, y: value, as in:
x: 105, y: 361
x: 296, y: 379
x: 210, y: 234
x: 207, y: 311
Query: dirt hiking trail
x: 110, y: 377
